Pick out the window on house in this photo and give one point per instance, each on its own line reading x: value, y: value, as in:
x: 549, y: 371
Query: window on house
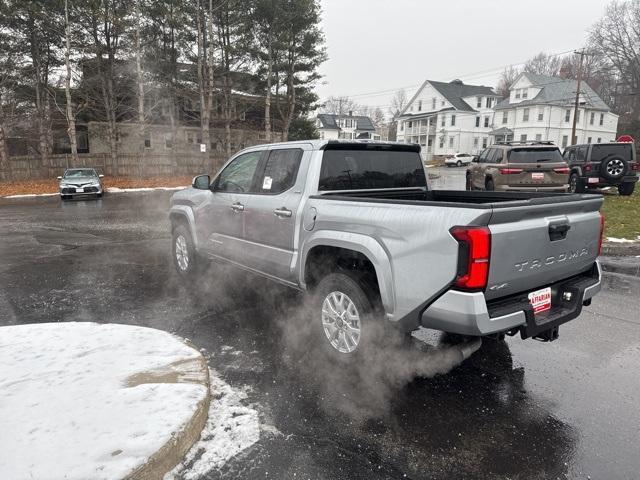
x: 565, y: 140
x: 486, y: 122
x: 589, y: 140
x: 453, y: 120
x: 450, y: 142
x: 442, y: 103
x: 592, y: 119
x: 523, y: 137
x: 402, y: 126
x: 601, y: 119
x: 525, y: 115
x: 444, y: 119
x: 538, y: 137
x: 578, y: 116
x: 567, y: 115
x: 484, y: 142
x: 168, y: 141
x: 410, y: 124
x: 189, y: 137
x: 505, y: 117
x: 433, y: 103
x: 441, y: 143
x: 419, y: 105
x: 599, y: 140
x: 540, y: 115
x: 475, y: 141
x: 147, y: 141
x: 477, y: 121
x: 479, y: 102
x: 525, y: 92
x: 489, y: 102
x: 518, y: 93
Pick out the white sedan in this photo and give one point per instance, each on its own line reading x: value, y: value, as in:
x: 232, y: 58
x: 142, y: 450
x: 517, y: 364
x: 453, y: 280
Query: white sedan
x: 458, y: 160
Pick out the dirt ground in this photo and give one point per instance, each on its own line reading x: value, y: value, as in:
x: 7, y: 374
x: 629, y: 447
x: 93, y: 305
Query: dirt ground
x: 51, y: 186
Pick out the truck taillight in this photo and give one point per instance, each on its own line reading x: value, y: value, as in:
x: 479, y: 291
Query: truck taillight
x: 474, y: 255
x: 510, y: 171
x: 601, y: 234
x: 561, y: 170
x: 635, y: 166
x: 588, y: 168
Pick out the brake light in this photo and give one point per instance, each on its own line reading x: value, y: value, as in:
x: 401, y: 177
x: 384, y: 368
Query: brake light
x: 561, y: 170
x: 474, y: 256
x: 601, y: 234
x: 588, y: 168
x: 635, y: 167
x: 510, y: 171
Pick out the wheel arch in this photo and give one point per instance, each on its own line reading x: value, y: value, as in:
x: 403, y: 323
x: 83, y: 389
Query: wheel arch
x: 182, y: 215
x: 326, y: 250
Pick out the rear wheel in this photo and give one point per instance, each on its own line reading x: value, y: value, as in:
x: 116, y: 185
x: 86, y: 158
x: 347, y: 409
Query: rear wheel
x: 489, y: 186
x: 469, y: 183
x: 575, y: 184
x: 626, y: 188
x: 458, y: 163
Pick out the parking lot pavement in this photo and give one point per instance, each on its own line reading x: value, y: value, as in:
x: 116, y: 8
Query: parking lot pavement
x: 448, y: 178
x: 515, y: 409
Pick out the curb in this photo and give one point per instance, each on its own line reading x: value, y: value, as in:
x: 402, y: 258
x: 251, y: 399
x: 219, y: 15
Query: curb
x: 621, y: 249
x: 620, y: 266
x: 173, y: 452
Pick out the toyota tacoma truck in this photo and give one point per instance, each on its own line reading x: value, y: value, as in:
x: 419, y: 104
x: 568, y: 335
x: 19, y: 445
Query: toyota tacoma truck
x: 356, y: 227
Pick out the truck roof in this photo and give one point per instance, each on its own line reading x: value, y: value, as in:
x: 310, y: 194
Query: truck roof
x: 322, y: 144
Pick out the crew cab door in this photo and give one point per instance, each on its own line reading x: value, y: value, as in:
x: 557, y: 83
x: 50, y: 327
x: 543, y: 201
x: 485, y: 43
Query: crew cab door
x: 220, y: 222
x: 271, y: 212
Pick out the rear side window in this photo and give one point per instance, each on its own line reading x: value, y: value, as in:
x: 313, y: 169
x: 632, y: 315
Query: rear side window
x: 533, y: 155
x: 581, y: 154
x: 370, y: 169
x: 600, y: 152
x: 280, y: 171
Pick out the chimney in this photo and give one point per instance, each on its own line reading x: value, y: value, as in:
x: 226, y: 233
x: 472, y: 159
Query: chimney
x: 351, y: 113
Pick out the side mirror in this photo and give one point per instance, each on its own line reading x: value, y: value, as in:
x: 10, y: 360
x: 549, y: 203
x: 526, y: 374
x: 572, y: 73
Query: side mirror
x: 101, y: 176
x: 201, y: 182
x: 59, y: 177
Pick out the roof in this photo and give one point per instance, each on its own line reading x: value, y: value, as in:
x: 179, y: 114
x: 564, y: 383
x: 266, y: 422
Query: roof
x: 501, y: 131
x: 329, y: 121
x: 425, y: 114
x: 454, y: 92
x: 557, y: 91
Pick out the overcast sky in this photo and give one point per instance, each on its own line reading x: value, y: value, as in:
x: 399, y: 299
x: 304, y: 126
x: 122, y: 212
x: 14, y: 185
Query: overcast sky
x: 376, y: 45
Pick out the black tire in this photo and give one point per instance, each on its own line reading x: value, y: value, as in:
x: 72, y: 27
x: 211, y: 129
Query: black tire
x: 98, y: 195
x: 489, y: 186
x: 64, y: 198
x: 458, y: 164
x: 613, y: 168
x: 575, y: 184
x: 626, y: 189
x: 188, y: 269
x: 468, y: 183
x: 370, y: 327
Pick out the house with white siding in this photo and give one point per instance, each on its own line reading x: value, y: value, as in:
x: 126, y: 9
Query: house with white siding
x: 541, y: 107
x: 348, y: 127
x: 446, y: 118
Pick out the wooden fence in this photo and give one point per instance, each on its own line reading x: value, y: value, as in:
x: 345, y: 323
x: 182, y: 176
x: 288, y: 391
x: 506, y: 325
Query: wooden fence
x: 126, y: 165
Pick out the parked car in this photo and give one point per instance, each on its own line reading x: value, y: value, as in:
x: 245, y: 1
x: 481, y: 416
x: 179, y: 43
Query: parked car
x: 80, y: 181
x: 519, y: 166
x: 598, y: 165
x: 356, y: 226
x: 458, y: 160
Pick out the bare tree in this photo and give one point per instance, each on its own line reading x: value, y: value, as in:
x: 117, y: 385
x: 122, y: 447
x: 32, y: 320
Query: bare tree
x: 507, y: 77
x: 398, y: 104
x: 342, y: 106
x: 543, y: 64
x: 70, y: 115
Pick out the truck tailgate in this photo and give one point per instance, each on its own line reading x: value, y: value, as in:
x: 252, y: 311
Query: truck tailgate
x: 535, y: 245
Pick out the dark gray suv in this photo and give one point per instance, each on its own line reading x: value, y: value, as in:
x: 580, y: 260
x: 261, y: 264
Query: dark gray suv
x: 597, y: 165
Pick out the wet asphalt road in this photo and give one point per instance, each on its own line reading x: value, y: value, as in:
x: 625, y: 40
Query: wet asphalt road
x: 514, y: 410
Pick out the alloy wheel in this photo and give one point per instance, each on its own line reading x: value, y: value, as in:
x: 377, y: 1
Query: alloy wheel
x: 341, y: 322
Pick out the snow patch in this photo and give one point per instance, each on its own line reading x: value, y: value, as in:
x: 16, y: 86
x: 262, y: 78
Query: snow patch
x: 231, y: 428
x: 621, y: 240
x: 70, y: 407
x: 31, y: 195
x: 142, y: 189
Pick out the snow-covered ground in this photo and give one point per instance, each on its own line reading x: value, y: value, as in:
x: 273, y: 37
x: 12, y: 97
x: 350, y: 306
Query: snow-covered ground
x: 108, y: 190
x: 88, y: 401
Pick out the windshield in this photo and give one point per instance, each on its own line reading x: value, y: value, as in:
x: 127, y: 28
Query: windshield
x: 365, y: 169
x: 81, y: 172
x: 533, y: 155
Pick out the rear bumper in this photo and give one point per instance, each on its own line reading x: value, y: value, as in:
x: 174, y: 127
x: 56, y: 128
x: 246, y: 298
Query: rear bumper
x: 532, y: 188
x: 595, y: 181
x: 468, y: 313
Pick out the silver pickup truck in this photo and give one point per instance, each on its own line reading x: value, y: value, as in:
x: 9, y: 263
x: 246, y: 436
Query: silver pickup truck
x: 356, y: 225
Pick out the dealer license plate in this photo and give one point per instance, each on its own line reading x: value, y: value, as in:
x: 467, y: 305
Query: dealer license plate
x: 537, y: 176
x: 541, y: 300
x: 79, y: 190
x: 593, y: 180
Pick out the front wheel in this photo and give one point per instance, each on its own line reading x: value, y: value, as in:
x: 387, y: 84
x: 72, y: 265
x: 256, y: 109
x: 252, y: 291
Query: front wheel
x: 626, y: 189
x: 458, y: 163
x: 184, y: 252
x: 469, y: 183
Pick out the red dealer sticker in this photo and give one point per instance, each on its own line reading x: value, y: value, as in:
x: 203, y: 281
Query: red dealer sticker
x: 540, y: 300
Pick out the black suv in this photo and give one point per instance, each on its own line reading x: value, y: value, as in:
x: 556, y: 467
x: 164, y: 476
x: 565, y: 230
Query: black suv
x: 598, y: 165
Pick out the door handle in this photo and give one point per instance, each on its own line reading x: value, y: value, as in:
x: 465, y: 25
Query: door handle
x: 282, y: 212
x: 237, y: 207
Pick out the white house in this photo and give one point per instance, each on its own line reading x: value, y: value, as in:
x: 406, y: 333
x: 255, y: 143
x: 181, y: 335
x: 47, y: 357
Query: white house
x: 540, y: 107
x: 349, y: 127
x: 448, y: 118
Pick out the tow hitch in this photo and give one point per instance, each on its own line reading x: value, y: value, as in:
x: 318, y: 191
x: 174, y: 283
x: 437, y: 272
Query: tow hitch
x: 548, y: 335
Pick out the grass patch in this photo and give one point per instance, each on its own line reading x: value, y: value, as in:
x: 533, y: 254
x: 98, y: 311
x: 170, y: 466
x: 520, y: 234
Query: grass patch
x: 622, y: 215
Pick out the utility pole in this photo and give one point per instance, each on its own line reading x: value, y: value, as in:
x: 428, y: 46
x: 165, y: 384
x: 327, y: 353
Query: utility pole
x: 574, y: 140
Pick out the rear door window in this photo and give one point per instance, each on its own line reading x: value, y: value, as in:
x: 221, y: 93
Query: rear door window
x: 533, y: 155
x: 581, y: 154
x: 601, y: 151
x: 370, y: 169
x: 280, y: 171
